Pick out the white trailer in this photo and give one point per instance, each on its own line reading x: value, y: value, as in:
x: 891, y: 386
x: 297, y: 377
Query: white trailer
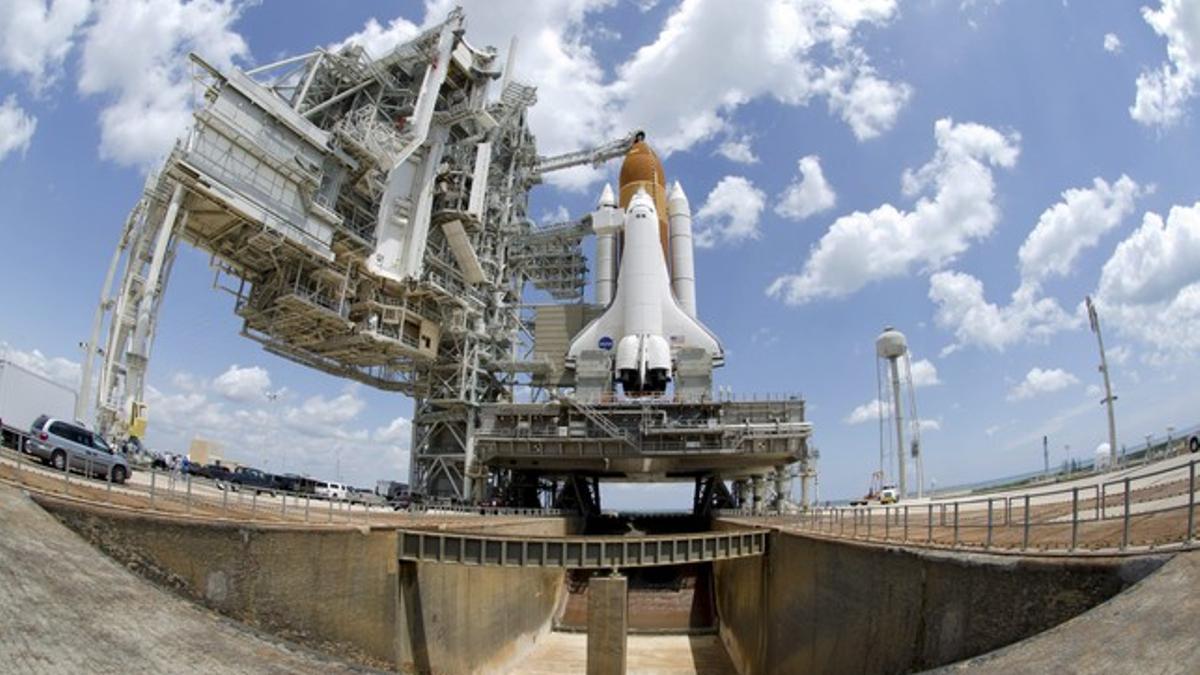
x: 24, y: 395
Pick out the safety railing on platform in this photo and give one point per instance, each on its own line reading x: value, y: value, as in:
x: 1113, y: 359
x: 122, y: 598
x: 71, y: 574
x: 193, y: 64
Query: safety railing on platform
x: 1147, y: 511
x: 177, y: 493
x: 578, y: 552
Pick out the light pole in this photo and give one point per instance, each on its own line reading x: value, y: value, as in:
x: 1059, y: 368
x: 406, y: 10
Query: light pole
x: 1170, y: 431
x: 1046, y: 454
x: 1148, y: 437
x: 1094, y: 320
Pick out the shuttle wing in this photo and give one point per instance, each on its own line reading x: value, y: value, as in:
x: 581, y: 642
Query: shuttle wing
x: 602, y: 333
x: 682, y: 330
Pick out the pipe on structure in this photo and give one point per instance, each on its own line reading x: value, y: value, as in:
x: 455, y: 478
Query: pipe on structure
x: 781, y: 491
x: 683, y: 269
x: 759, y: 505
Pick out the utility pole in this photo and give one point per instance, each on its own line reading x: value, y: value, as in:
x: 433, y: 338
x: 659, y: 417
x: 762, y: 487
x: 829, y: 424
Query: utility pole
x: 1094, y: 320
x: 1046, y: 454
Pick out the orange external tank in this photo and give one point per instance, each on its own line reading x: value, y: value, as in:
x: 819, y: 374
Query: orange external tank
x: 641, y: 168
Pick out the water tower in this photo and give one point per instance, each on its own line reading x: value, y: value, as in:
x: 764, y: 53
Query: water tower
x: 892, y: 346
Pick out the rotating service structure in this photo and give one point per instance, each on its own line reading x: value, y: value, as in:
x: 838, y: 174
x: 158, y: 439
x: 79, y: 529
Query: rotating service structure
x: 369, y: 218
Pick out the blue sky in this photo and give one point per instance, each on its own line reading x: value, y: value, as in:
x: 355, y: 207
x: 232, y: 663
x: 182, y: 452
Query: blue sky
x: 971, y: 170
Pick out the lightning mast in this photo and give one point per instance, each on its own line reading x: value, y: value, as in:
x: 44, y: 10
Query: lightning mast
x: 1094, y: 320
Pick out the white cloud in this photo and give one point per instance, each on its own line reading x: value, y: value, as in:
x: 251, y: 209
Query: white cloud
x: 399, y: 431
x: 790, y: 50
x: 868, y: 103
x: 1076, y: 223
x: 16, y: 128
x: 1093, y: 391
x: 1163, y: 93
x: 559, y: 215
x: 887, y: 242
x: 1149, y: 288
x: 134, y: 56
x: 1112, y: 43
x: 962, y: 308
x: 869, y: 412
x: 1062, y: 232
x: 683, y: 91
x: 730, y: 213
x: 1038, y: 381
x: 738, y: 150
x: 1119, y: 354
x: 37, y: 35
x: 243, y: 384
x: 325, y: 415
x: 808, y: 194
x: 924, y: 373
x: 379, y: 40
x: 61, y: 370
x: 318, y: 437
x: 873, y: 409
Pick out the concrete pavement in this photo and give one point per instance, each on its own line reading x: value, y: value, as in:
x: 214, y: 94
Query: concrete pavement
x: 67, y: 608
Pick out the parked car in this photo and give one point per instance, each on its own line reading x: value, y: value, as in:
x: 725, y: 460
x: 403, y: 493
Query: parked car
x: 331, y: 490
x: 67, y: 446
x: 254, y: 479
x: 216, y: 472
x: 401, y: 500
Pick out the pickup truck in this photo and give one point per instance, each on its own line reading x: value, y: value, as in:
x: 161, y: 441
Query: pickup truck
x: 215, y: 472
x: 253, y: 479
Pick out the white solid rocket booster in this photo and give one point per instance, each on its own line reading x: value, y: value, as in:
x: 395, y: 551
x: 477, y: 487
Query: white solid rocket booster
x: 683, y: 270
x: 606, y: 222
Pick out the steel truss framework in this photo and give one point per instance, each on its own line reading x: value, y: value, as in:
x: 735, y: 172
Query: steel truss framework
x: 369, y: 218
x: 311, y: 182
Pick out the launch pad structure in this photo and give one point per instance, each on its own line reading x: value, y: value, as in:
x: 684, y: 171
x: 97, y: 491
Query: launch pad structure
x: 369, y: 216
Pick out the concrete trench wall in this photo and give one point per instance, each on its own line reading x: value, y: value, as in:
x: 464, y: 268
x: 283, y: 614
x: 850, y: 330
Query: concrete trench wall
x: 460, y: 619
x: 338, y: 590
x: 821, y: 606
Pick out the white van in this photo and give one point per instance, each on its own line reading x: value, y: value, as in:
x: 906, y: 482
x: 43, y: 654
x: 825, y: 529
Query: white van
x: 331, y: 490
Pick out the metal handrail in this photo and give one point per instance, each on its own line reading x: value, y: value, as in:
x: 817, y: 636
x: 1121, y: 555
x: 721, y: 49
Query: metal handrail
x: 188, y: 494
x: 1008, y: 523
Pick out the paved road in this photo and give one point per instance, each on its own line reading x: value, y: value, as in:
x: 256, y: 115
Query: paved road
x: 67, y: 608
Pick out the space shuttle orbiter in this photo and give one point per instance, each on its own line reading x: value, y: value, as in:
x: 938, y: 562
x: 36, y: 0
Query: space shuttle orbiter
x: 650, y: 316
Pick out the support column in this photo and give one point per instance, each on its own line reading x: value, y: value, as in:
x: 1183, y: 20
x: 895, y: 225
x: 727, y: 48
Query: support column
x: 805, y: 477
x: 759, y: 502
x: 608, y: 616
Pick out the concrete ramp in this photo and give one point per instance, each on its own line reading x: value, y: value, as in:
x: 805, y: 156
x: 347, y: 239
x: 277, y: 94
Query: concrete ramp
x: 67, y: 608
x: 1149, y: 628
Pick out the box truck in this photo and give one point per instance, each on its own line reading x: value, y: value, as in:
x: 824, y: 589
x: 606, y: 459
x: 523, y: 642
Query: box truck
x: 24, y: 395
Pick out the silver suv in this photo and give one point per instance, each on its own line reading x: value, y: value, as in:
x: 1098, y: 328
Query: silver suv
x: 56, y: 443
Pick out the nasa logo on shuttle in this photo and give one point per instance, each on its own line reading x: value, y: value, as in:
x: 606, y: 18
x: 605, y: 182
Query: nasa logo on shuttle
x: 606, y: 343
